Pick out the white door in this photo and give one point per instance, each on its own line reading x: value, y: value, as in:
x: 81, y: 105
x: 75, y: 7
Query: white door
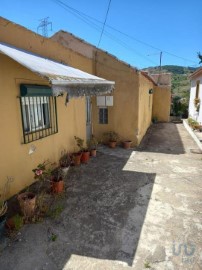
x: 88, y: 118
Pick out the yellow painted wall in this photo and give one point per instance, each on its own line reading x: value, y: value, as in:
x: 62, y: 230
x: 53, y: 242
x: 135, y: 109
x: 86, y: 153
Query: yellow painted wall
x: 14, y: 158
x: 132, y: 111
x: 123, y: 115
x: 23, y: 38
x: 161, y: 103
x: 145, y: 106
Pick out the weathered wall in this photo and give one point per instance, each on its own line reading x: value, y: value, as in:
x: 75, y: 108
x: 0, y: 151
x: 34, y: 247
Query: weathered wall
x: 14, y: 158
x: 145, y: 106
x: 75, y: 43
x: 161, y: 103
x: 23, y: 38
x: 123, y: 115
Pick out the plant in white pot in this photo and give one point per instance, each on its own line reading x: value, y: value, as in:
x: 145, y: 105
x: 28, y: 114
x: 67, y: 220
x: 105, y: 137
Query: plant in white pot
x: 65, y: 162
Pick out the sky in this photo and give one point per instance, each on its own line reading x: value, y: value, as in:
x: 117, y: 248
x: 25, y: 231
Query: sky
x: 135, y: 31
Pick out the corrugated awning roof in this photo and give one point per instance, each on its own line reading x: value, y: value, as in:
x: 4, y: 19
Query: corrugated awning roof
x: 63, y: 78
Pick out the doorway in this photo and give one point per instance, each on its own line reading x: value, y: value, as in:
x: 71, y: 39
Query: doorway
x: 88, y: 118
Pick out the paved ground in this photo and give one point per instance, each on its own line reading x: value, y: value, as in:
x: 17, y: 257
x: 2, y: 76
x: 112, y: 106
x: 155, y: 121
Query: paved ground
x: 126, y: 209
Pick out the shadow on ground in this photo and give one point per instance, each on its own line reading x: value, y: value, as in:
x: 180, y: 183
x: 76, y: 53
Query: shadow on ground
x: 105, y: 208
x: 105, y: 211
x: 162, y: 138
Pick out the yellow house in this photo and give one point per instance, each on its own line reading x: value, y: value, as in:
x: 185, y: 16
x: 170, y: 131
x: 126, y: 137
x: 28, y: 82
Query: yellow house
x: 35, y: 123
x: 138, y: 96
x: 36, y: 83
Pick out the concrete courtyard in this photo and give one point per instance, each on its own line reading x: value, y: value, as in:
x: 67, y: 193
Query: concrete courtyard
x: 126, y: 209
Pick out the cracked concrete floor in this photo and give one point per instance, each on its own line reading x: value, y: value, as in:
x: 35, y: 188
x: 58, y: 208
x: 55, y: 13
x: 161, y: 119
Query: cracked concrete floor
x: 126, y: 209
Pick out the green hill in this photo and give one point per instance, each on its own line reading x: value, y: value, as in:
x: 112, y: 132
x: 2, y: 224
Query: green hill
x: 180, y: 78
x: 180, y: 87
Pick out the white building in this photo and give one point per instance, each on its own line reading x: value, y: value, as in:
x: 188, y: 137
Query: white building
x: 195, y: 100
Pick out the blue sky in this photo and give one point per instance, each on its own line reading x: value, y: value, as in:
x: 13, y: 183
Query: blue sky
x: 145, y: 28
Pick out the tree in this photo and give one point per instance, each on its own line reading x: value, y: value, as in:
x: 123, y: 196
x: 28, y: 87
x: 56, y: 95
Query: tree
x: 200, y: 57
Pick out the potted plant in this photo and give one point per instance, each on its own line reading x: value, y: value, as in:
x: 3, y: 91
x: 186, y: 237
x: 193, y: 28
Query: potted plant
x: 27, y: 200
x: 127, y: 144
x: 76, y: 157
x: 112, y: 138
x: 92, y: 145
x: 3, y: 205
x: 85, y: 154
x: 65, y: 162
x: 57, y: 182
x: 196, y: 102
x: 15, y: 222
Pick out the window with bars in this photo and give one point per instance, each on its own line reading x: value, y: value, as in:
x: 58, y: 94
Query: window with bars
x: 103, y: 115
x: 39, y: 112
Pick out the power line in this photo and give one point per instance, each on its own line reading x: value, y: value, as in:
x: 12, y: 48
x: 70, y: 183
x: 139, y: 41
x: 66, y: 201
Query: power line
x: 98, y: 28
x: 44, y: 26
x: 83, y: 17
x: 104, y: 24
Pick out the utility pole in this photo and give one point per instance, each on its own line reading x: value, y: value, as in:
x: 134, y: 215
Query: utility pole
x: 160, y: 61
x: 44, y: 23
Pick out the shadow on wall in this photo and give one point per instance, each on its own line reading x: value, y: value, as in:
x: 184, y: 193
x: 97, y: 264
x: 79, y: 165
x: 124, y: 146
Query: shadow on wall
x: 162, y: 138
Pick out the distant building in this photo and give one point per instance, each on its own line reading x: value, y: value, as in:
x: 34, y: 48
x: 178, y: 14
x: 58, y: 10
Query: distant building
x: 195, y: 108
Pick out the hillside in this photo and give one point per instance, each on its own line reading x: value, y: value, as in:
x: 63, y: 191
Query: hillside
x: 180, y: 78
x: 180, y: 87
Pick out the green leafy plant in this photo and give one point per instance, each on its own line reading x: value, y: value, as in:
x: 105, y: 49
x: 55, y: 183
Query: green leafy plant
x: 65, y: 159
x: 57, y: 174
x: 193, y: 123
x: 43, y: 170
x: 55, y: 211
x: 18, y: 222
x: 53, y: 237
x: 92, y: 143
x: 79, y: 143
x: 147, y: 265
x: 111, y: 136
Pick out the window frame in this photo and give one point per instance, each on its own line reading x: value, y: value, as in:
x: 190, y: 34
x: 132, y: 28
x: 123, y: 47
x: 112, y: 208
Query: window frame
x: 105, y: 115
x: 38, y: 112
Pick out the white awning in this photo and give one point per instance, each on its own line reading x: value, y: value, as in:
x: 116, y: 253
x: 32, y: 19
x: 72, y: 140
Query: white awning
x: 63, y: 78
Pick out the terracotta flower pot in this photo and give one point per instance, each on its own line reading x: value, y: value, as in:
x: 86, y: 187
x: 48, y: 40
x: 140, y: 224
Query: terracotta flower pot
x: 77, y: 159
x: 127, y: 144
x: 112, y: 144
x: 93, y: 152
x: 58, y: 186
x: 27, y: 201
x: 85, y: 157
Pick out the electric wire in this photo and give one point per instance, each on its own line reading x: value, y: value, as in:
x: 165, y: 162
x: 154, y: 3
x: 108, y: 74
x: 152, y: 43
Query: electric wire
x: 88, y: 19
x: 104, y: 23
x: 109, y: 35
